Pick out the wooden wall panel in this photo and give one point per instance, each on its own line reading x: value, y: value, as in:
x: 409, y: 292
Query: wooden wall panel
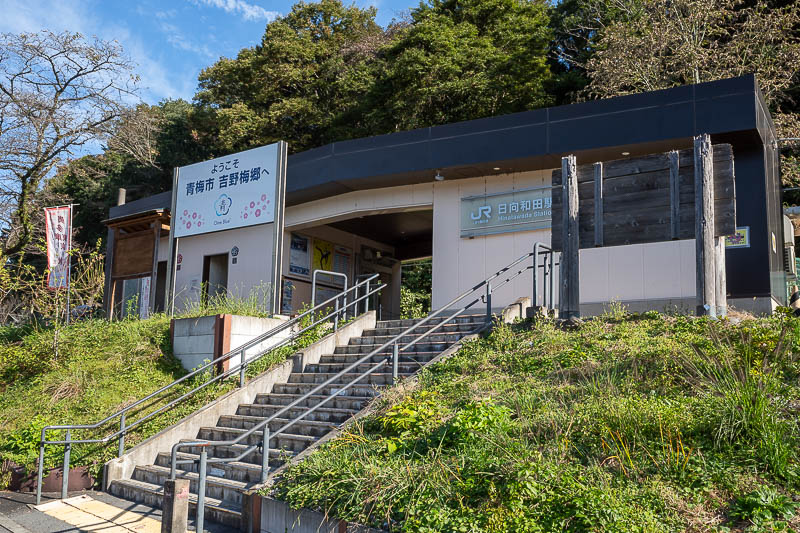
x: 637, y: 200
x: 133, y: 254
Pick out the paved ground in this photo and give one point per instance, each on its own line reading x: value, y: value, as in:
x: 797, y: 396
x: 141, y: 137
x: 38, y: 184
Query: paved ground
x: 17, y: 514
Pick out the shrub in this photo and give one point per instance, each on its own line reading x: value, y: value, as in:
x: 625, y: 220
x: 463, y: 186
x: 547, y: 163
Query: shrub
x: 762, y: 506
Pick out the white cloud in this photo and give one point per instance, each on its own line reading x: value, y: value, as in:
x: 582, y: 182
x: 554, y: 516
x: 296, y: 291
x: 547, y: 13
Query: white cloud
x: 248, y: 11
x: 176, y: 38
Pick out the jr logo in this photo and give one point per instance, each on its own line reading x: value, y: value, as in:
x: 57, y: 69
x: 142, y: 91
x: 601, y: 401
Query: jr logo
x: 484, y: 210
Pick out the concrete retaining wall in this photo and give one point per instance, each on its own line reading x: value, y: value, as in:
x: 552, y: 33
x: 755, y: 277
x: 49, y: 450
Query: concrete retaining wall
x: 278, y: 517
x: 196, y: 341
x: 146, y: 452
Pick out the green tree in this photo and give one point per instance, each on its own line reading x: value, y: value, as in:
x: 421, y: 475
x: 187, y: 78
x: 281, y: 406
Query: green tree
x: 464, y: 59
x: 308, y: 70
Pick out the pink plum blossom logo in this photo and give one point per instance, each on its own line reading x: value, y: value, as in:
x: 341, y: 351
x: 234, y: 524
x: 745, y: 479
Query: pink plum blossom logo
x: 255, y: 208
x: 191, y: 219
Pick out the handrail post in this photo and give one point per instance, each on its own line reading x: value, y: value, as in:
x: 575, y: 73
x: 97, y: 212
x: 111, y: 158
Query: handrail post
x: 489, y: 301
x: 65, y: 477
x: 173, y: 465
x: 265, y: 454
x: 121, y: 435
x: 395, y: 363
x: 336, y: 316
x: 201, y: 491
x: 40, y: 471
x: 535, y: 299
x: 552, y: 278
x: 241, y: 369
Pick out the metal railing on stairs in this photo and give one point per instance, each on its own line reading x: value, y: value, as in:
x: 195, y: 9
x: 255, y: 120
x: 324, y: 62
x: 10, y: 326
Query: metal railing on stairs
x: 492, y: 283
x: 306, y: 320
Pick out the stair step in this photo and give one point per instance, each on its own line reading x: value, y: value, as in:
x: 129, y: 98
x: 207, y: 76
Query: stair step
x: 236, y: 470
x: 447, y: 328
x: 226, y: 482
x: 151, y: 494
x: 359, y: 389
x: 217, y: 487
x: 276, y: 456
x: 284, y: 441
x: 423, y: 346
x: 405, y: 357
x: 349, y: 402
x: 313, y: 428
x: 406, y: 367
x: 321, y: 414
x: 376, y: 378
x: 433, y: 338
x: 408, y: 322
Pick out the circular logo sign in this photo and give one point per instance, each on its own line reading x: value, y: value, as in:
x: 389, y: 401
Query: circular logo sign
x: 234, y: 251
x: 180, y: 258
x: 223, y: 205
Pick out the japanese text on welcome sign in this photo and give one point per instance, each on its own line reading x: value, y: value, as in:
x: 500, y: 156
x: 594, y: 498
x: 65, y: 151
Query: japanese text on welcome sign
x: 227, y: 193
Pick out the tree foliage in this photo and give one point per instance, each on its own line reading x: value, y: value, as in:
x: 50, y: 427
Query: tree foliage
x: 464, y: 59
x: 58, y: 91
x: 306, y: 73
x: 656, y: 44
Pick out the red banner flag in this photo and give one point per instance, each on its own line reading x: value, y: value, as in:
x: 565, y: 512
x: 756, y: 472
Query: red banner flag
x: 58, y: 221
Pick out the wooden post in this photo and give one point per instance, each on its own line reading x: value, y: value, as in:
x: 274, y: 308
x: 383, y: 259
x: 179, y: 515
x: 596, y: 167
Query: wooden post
x: 721, y: 285
x: 598, y: 204
x: 674, y: 194
x: 569, y: 301
x: 705, y: 244
x: 154, y: 275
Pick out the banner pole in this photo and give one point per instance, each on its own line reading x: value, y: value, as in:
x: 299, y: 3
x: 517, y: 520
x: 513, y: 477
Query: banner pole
x: 69, y: 263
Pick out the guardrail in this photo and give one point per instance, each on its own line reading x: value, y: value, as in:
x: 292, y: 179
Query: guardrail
x: 125, y: 426
x: 262, y: 427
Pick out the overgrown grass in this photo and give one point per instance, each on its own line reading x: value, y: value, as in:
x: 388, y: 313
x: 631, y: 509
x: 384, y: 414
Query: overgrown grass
x: 631, y: 423
x: 254, y: 304
x: 100, y: 368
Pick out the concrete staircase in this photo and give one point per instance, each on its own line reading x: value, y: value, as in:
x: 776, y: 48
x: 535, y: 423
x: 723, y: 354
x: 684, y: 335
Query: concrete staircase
x: 226, y: 483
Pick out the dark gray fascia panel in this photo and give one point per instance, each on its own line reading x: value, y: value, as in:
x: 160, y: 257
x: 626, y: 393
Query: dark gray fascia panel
x: 157, y: 201
x: 718, y: 107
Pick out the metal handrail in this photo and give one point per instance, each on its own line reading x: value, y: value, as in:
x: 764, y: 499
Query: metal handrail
x: 263, y: 426
x: 241, y: 367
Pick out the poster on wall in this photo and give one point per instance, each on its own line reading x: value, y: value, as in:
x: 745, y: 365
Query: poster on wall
x: 144, y: 298
x: 324, y: 293
x: 299, y: 257
x: 286, y: 300
x: 740, y: 239
x: 342, y: 257
x: 323, y: 255
x: 227, y: 192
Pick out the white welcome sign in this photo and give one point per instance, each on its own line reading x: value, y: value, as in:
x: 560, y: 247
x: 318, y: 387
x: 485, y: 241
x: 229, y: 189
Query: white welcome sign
x: 227, y: 192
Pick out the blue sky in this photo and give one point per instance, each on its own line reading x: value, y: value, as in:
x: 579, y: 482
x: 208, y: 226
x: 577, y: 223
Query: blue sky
x: 169, y: 40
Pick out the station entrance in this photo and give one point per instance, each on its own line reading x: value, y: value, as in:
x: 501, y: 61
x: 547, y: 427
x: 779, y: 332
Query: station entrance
x: 356, y: 247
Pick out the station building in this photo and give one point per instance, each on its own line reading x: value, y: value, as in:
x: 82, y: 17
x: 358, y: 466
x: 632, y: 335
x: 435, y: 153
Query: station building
x: 367, y: 205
